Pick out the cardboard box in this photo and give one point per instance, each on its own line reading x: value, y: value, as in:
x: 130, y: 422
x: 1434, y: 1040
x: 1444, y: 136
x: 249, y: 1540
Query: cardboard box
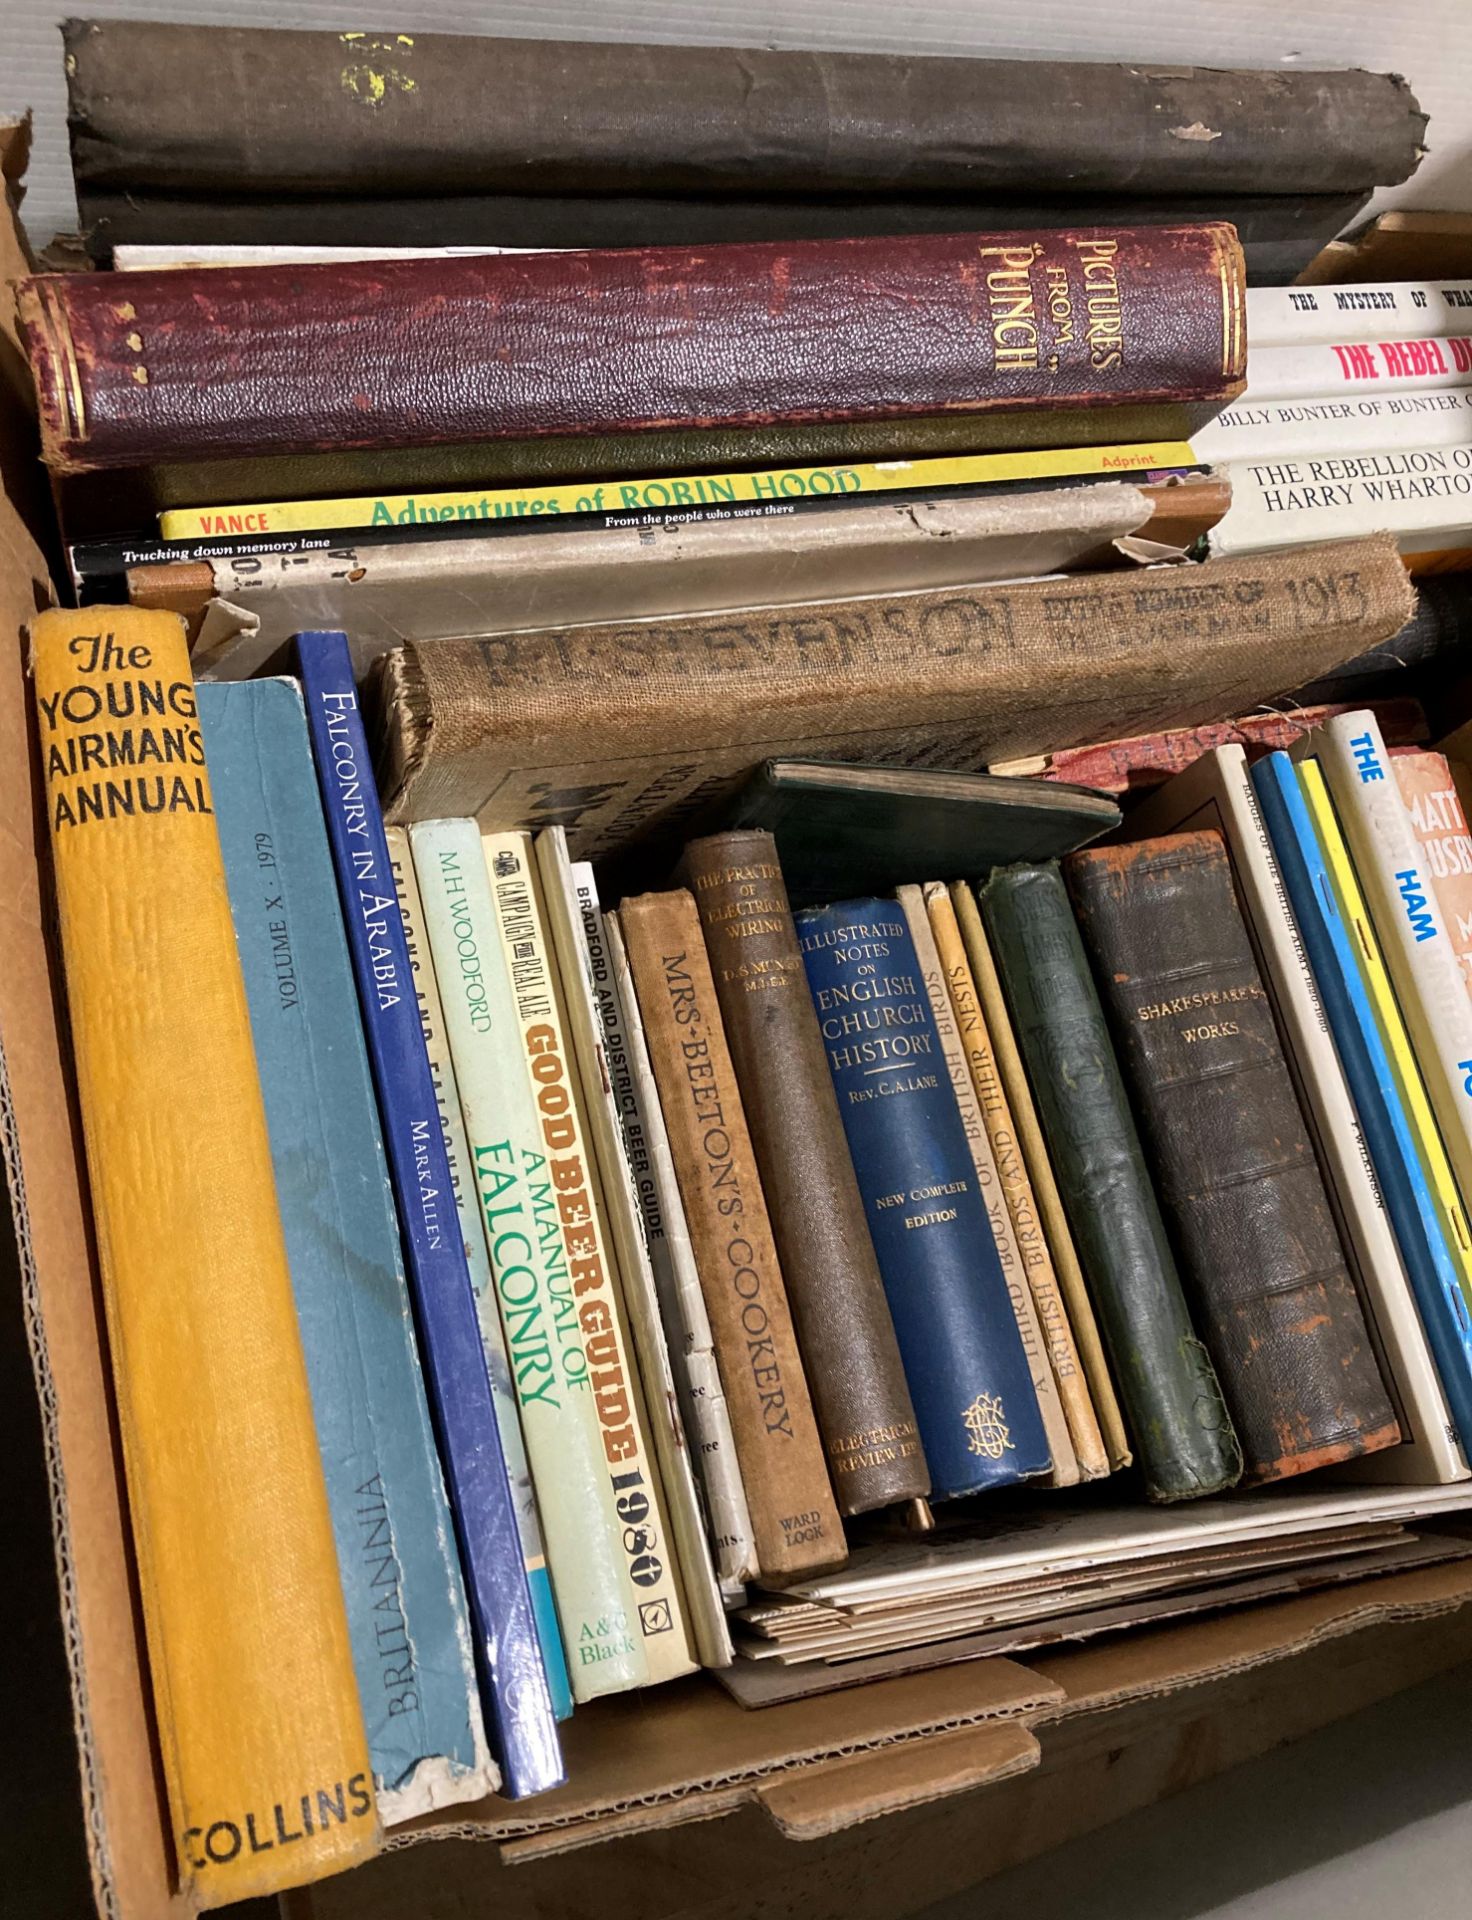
x: 811, y: 1768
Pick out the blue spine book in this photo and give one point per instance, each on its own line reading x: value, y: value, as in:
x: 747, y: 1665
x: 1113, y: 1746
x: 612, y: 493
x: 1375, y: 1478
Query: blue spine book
x: 514, y: 1683
x: 963, y: 1358
x: 390, y: 1516
x: 1367, y: 1067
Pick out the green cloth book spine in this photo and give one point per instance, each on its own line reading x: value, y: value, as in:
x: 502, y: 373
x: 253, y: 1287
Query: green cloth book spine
x: 1184, y: 1438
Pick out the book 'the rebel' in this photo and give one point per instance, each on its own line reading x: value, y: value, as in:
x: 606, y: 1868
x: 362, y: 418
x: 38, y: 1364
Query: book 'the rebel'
x: 514, y: 1683
x: 264, y: 1756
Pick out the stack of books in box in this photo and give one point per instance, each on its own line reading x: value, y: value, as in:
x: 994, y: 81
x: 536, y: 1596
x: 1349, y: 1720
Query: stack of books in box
x: 746, y: 996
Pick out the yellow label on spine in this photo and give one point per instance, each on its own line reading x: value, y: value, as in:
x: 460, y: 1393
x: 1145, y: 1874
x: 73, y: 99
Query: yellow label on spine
x: 265, y: 1761
x: 1408, y: 1082
x: 669, y: 493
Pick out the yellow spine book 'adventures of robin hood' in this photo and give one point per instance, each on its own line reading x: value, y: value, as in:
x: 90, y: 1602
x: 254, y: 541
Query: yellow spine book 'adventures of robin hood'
x: 264, y: 1755
x: 668, y: 493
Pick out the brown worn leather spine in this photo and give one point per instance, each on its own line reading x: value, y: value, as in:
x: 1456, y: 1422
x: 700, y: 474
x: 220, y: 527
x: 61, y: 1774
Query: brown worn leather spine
x: 383, y: 354
x: 793, y: 1516
x: 1234, y: 1168
x: 817, y: 1213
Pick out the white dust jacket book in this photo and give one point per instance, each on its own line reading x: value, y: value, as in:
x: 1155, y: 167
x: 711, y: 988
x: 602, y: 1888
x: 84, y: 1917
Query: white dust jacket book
x: 1347, y: 365
x: 1384, y: 310
x: 682, y: 1303
x: 1419, y: 953
x: 477, y: 1258
x: 657, y: 1617
x: 1216, y: 795
x: 1266, y: 431
x: 566, y: 920
x: 532, y: 1284
x: 1421, y: 494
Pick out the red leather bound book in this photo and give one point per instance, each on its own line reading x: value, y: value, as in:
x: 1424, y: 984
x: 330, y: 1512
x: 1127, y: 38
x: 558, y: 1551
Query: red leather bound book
x: 938, y: 335
x: 1148, y: 760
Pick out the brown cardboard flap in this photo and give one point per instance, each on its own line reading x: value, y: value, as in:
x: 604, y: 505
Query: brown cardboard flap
x: 826, y: 1799
x: 120, y: 1793
x: 690, y: 1741
x: 1165, y: 1659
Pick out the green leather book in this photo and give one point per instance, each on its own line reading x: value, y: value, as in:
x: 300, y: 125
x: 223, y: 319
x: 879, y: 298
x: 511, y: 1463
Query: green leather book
x: 1183, y: 1435
x: 846, y: 831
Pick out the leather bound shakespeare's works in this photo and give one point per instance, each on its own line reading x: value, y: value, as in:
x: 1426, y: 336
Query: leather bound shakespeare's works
x: 893, y: 345
x: 1027, y: 1228
x: 844, y: 1327
x: 260, y: 1732
x: 1183, y: 1435
x: 614, y: 731
x: 1236, y: 1172
x: 793, y: 1516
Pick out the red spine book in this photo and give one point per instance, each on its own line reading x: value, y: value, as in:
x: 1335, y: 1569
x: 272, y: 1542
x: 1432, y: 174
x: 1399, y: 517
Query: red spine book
x: 929, y: 330
x: 1148, y: 760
